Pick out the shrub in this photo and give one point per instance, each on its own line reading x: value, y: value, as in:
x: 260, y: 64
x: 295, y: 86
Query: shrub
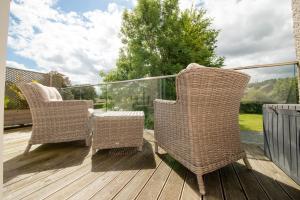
x: 251, y: 107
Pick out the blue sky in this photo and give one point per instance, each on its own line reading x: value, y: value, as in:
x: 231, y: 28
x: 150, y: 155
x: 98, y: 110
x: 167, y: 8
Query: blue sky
x: 88, y: 5
x: 65, y: 6
x: 81, y: 37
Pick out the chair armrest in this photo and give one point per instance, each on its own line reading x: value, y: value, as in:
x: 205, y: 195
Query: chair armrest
x: 83, y: 103
x: 165, y: 114
x: 164, y: 102
x: 164, y: 110
x: 171, y: 128
x: 62, y: 114
x: 68, y: 108
x: 89, y: 103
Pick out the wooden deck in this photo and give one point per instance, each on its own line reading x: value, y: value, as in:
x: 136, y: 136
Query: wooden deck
x: 67, y: 171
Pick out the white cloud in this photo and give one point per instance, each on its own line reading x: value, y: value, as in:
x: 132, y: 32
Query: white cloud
x: 78, y: 45
x: 14, y: 64
x: 253, y: 31
x: 134, y: 2
x: 188, y: 4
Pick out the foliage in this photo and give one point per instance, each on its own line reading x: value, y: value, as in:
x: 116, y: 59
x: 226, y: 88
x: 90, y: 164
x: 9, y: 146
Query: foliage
x: 85, y: 92
x: 286, y: 89
x: 281, y: 90
x: 66, y: 94
x: 59, y: 80
x: 15, y: 98
x: 251, y: 107
x: 251, y: 122
x: 6, y: 101
x: 137, y: 95
x: 159, y: 39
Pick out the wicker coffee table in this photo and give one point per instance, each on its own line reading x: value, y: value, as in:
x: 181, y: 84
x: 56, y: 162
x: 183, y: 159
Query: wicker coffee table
x: 117, y: 129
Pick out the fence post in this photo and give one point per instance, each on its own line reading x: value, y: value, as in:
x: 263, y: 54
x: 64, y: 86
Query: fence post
x: 296, y: 20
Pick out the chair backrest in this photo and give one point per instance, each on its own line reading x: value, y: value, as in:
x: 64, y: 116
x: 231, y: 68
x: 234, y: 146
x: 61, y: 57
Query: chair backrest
x: 210, y: 98
x: 36, y: 94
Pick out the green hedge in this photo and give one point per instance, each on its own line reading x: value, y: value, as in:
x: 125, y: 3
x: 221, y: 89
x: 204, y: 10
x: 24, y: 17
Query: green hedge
x: 251, y: 107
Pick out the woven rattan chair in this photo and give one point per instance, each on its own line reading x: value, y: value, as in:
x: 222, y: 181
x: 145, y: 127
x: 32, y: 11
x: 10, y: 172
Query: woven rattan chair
x: 55, y: 120
x: 200, y: 129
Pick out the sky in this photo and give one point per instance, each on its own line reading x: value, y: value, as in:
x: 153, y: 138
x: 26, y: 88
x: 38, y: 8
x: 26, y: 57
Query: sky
x: 80, y: 38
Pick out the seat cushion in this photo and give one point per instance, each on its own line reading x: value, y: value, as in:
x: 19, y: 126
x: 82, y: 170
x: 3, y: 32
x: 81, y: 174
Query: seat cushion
x: 190, y: 67
x: 42, y: 91
x: 47, y: 93
x: 91, y: 111
x: 194, y: 66
x: 54, y: 94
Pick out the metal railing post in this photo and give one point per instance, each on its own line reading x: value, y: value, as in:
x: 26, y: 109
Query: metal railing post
x: 106, y: 96
x: 161, y: 88
x: 80, y: 93
x: 51, y: 79
x: 298, y: 79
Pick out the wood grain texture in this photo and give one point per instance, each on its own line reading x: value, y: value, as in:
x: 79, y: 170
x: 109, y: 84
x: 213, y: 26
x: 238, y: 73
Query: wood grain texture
x: 67, y: 171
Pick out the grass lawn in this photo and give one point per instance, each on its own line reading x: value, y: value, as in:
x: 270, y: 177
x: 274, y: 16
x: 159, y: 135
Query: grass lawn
x: 251, y: 122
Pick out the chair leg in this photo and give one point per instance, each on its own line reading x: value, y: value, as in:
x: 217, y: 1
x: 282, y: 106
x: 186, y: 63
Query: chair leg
x: 156, y: 147
x: 94, y: 151
x: 246, y: 161
x: 201, y: 184
x: 140, y: 148
x: 88, y: 141
x: 27, y: 149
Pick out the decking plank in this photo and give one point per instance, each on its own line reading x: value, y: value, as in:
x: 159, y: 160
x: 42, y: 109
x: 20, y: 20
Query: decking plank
x: 156, y: 183
x: 89, y: 191
x: 213, y: 186
x: 35, y: 158
x: 132, y: 189
x: 175, y: 182
x: 251, y: 186
x: 14, y: 172
x: 37, y: 188
x: 266, y: 180
x: 231, y: 185
x: 271, y: 170
x: 114, y: 187
x: 190, y: 189
x: 48, y: 172
x: 57, y: 165
x: 107, y: 164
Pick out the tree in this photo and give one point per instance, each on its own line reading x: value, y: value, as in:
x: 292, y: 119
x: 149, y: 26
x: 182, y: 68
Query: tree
x: 286, y: 90
x: 85, y: 92
x: 59, y: 80
x: 159, y: 39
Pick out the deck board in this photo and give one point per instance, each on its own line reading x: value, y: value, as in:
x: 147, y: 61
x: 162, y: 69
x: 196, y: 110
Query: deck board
x: 231, y: 185
x: 249, y: 182
x: 68, y: 171
x: 156, y: 183
x: 213, y: 186
x: 174, y: 185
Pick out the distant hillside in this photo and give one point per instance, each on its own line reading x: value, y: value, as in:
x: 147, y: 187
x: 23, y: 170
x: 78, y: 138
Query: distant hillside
x: 282, y: 90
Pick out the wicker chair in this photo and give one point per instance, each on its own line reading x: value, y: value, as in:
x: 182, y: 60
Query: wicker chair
x: 55, y: 120
x: 200, y: 129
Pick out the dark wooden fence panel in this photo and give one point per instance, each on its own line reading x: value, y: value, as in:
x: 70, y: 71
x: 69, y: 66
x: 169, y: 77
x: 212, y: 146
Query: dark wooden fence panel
x: 282, y: 138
